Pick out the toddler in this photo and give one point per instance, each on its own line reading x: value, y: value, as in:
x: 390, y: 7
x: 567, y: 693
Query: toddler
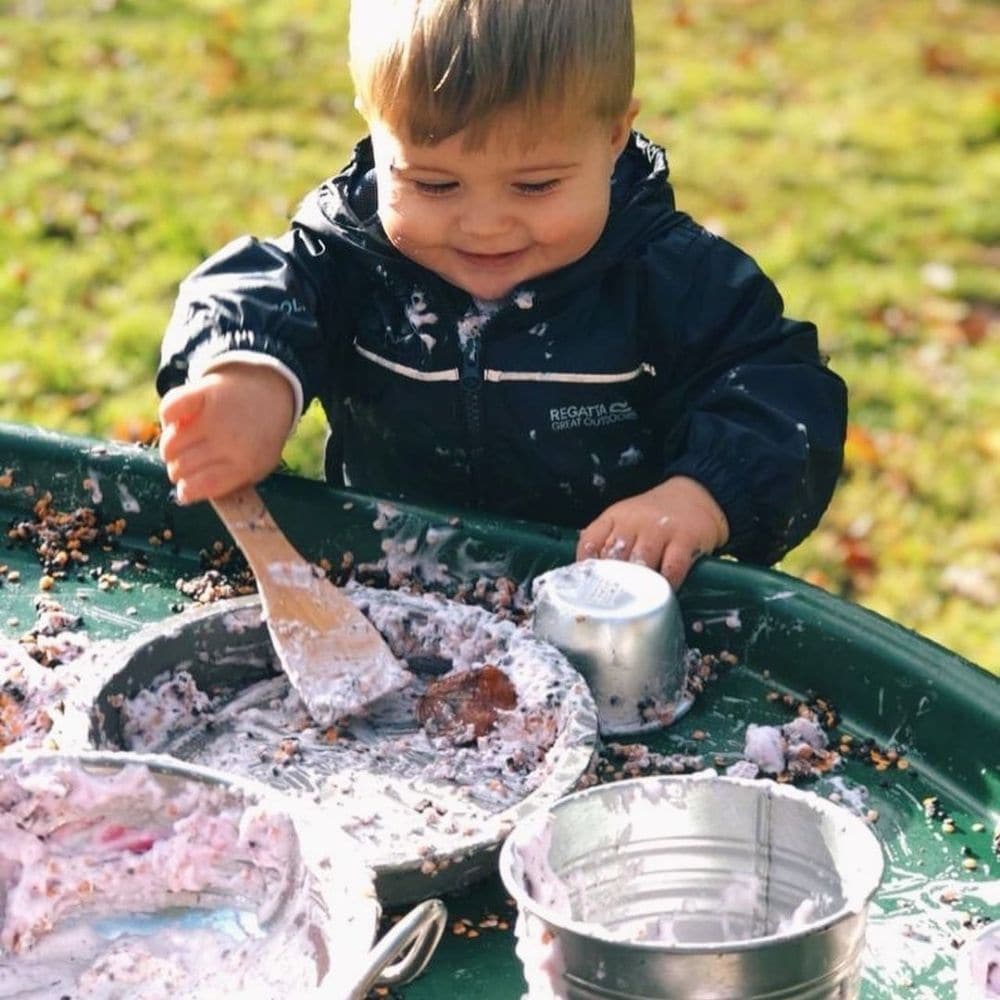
x: 499, y: 307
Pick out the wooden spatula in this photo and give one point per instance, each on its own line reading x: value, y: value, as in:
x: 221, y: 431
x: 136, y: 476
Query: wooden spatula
x: 334, y: 657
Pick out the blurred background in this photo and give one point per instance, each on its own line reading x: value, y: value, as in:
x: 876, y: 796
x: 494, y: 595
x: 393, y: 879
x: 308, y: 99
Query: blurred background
x: 849, y: 145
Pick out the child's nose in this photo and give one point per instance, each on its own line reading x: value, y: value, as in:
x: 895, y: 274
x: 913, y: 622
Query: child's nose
x: 483, y: 219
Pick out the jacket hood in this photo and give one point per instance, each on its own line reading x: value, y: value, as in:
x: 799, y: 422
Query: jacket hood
x: 345, y: 208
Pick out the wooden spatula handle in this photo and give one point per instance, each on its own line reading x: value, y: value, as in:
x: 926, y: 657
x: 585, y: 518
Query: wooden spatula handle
x: 248, y: 520
x: 335, y: 658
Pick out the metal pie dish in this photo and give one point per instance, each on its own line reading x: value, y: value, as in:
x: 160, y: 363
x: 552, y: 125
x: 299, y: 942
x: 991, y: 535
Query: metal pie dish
x: 128, y: 875
x: 429, y: 815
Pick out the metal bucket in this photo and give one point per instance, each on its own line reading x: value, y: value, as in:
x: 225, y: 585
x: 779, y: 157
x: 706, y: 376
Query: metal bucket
x: 692, y: 888
x: 620, y: 625
x: 164, y: 879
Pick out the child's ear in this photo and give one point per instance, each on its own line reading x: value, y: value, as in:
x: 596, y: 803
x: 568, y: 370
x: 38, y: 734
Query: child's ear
x: 623, y: 127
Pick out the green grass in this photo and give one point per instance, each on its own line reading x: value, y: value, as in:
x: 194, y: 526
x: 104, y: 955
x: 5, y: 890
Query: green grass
x: 850, y: 146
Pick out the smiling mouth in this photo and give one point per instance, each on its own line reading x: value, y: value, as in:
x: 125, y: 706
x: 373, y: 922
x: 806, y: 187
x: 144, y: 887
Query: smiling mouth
x: 490, y: 259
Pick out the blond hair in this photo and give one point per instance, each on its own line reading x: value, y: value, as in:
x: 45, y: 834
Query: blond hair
x: 431, y: 68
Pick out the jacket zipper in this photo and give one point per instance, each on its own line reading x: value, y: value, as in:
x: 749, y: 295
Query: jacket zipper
x: 471, y: 383
x: 471, y: 387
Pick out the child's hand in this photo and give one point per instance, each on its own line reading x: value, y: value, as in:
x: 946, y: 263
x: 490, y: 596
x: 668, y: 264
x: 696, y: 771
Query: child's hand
x: 225, y: 430
x: 666, y: 528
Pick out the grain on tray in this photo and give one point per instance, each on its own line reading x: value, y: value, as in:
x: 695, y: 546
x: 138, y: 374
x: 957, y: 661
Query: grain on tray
x: 56, y: 636
x: 224, y: 574
x: 64, y: 540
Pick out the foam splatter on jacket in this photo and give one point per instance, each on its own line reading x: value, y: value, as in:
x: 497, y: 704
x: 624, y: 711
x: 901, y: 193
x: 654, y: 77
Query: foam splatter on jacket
x: 663, y: 351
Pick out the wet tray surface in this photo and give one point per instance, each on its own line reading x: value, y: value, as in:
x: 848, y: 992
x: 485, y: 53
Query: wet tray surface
x: 935, y: 816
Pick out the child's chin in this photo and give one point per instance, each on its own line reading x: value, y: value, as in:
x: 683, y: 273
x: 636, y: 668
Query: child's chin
x: 485, y: 285
x: 488, y: 290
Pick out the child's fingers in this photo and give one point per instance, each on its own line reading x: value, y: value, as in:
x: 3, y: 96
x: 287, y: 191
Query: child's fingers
x: 649, y: 552
x: 184, y: 462
x: 678, y: 558
x: 618, y: 545
x: 214, y: 480
x: 182, y: 404
x: 593, y: 537
x: 175, y: 441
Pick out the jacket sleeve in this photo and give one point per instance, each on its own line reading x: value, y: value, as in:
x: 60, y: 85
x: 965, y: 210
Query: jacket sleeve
x: 265, y: 298
x: 763, y: 419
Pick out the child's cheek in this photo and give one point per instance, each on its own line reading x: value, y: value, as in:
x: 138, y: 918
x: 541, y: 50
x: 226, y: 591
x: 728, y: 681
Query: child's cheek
x: 410, y: 225
x: 393, y: 223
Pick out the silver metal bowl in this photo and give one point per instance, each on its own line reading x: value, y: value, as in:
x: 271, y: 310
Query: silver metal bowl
x: 692, y: 888
x: 142, y: 848
x: 620, y: 625
x: 387, y: 801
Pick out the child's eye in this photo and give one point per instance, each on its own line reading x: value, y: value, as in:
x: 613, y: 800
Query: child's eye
x: 435, y: 187
x: 536, y: 187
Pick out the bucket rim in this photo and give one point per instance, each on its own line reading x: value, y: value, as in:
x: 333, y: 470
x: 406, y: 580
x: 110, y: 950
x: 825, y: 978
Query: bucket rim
x: 873, y: 867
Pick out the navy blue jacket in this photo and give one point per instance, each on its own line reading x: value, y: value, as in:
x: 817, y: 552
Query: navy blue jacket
x: 662, y: 352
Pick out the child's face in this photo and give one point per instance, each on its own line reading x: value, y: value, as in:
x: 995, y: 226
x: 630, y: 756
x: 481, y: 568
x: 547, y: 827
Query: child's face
x: 490, y: 218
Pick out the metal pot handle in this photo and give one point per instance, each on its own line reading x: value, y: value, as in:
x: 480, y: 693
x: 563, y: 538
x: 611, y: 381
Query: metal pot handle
x: 421, y: 928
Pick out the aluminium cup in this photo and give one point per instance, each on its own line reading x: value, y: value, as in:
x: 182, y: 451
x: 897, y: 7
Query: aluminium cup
x: 619, y: 624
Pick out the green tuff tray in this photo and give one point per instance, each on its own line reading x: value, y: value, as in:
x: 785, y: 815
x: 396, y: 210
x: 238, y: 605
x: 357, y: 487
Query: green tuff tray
x: 889, y: 684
